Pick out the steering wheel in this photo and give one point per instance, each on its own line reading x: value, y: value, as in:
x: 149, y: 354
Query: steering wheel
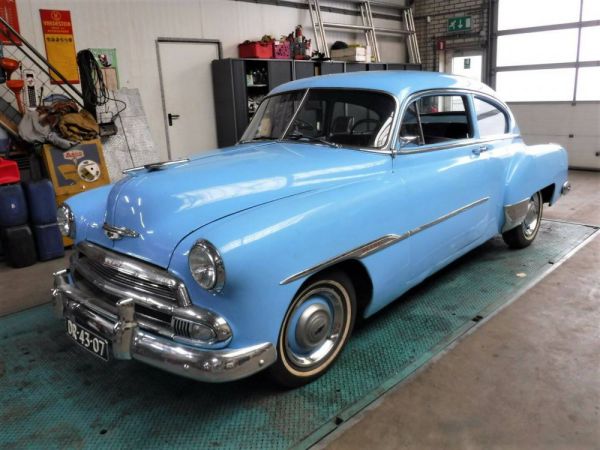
x: 361, y: 121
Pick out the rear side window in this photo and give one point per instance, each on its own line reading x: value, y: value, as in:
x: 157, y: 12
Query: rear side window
x: 490, y: 119
x: 436, y: 118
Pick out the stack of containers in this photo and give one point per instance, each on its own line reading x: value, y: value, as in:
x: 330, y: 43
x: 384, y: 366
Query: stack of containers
x: 15, y: 234
x: 42, y: 211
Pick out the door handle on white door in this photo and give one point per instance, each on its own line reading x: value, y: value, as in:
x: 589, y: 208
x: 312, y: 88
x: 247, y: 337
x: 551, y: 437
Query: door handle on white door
x: 171, y: 118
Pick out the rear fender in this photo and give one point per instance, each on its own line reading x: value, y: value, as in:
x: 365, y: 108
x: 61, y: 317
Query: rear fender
x: 533, y: 170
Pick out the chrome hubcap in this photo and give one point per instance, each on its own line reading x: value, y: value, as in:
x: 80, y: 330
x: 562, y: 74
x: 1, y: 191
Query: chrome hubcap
x: 315, y: 327
x: 530, y: 224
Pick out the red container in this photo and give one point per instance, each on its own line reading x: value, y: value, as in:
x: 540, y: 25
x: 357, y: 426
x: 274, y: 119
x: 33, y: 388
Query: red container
x: 262, y: 50
x: 282, y: 50
x: 9, y: 172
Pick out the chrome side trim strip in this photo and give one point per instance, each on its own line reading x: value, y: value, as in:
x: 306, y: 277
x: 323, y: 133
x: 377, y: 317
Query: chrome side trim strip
x: 458, y: 143
x: 515, y: 214
x: 379, y: 244
x: 359, y: 252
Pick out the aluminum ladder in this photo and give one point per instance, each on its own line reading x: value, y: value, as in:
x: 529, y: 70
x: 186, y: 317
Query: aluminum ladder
x: 367, y: 27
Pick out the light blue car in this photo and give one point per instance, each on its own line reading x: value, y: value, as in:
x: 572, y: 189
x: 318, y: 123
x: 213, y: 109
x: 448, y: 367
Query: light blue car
x: 344, y: 192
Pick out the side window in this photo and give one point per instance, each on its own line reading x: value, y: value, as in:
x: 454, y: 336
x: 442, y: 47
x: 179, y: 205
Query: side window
x: 490, y: 120
x: 436, y: 118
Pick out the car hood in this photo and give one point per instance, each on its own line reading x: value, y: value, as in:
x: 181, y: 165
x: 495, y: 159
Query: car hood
x: 166, y: 205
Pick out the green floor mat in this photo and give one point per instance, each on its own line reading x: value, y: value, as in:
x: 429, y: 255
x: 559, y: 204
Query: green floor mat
x: 55, y: 395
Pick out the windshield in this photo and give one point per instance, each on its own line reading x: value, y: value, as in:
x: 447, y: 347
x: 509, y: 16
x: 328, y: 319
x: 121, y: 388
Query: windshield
x: 338, y: 117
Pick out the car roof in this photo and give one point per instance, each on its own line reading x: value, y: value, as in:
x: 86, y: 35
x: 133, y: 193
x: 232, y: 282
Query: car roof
x: 399, y: 83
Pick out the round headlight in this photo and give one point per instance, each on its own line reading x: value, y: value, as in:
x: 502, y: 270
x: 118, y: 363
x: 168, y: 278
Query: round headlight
x: 66, y: 221
x: 207, y: 266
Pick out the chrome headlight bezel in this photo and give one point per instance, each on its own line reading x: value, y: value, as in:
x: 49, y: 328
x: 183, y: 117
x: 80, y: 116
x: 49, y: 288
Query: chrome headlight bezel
x: 205, y: 254
x: 66, y: 221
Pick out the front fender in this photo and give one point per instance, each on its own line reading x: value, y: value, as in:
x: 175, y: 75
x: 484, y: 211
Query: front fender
x: 89, y: 209
x: 535, y: 168
x: 263, y: 246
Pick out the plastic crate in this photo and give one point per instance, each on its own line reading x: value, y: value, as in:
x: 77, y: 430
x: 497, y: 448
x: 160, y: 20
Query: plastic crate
x: 282, y: 50
x: 263, y: 50
x: 9, y: 172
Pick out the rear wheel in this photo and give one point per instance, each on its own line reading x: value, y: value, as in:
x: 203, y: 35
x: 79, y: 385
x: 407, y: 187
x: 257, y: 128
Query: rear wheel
x: 523, y: 235
x: 315, y: 329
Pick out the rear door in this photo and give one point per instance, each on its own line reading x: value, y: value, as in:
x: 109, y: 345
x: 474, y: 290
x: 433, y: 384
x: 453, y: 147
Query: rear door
x: 447, y: 178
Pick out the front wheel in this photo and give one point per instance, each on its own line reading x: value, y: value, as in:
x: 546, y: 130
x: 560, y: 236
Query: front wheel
x: 523, y: 235
x: 315, y: 329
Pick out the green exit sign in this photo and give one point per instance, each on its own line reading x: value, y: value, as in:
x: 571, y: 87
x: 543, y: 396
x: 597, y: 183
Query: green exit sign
x: 459, y: 23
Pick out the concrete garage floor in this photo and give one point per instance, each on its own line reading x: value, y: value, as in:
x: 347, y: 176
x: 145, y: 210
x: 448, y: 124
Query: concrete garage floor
x: 527, y: 378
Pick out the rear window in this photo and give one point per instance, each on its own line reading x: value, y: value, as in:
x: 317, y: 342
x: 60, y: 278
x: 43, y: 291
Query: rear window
x: 490, y: 119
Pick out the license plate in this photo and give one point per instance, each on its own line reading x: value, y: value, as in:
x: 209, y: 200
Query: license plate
x: 88, y: 339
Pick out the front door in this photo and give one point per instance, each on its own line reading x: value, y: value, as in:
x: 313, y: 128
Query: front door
x: 186, y: 82
x: 447, y: 179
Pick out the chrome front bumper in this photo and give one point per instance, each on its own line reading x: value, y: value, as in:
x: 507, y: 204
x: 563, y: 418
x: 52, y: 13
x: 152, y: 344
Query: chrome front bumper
x: 128, y: 341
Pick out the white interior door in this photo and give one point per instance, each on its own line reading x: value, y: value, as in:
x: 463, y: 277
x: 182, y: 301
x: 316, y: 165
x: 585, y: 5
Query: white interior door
x: 187, y: 89
x: 467, y: 64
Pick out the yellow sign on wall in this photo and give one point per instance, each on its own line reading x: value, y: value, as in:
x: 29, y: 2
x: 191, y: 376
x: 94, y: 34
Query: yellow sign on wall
x: 60, y: 44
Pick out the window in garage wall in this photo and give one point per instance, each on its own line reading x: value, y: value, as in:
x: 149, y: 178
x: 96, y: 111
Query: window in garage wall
x: 532, y: 13
x: 547, y: 50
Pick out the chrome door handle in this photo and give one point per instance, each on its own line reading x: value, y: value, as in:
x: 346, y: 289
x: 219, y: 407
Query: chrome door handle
x: 479, y: 150
x: 171, y: 118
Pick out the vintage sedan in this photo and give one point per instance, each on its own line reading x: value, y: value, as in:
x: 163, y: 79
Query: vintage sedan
x: 344, y: 192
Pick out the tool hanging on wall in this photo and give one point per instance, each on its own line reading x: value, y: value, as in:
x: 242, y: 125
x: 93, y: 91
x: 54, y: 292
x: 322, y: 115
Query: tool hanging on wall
x: 31, y: 89
x: 94, y: 90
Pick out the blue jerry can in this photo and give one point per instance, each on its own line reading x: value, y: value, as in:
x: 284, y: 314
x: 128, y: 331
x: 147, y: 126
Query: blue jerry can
x: 13, y: 207
x: 41, y: 201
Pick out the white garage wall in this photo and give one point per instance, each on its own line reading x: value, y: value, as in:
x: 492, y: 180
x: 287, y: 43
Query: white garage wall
x: 132, y: 26
x: 541, y: 123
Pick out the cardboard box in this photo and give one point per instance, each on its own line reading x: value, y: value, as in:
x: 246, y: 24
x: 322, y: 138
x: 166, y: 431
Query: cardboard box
x: 352, y: 54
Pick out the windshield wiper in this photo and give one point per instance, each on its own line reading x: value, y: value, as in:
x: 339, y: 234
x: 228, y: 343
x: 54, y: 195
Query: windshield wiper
x: 299, y: 137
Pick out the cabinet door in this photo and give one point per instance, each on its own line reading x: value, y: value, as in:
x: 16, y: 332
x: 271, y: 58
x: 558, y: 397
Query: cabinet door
x: 355, y: 67
x: 304, y: 69
x: 331, y: 67
x: 229, y: 87
x: 279, y: 72
x: 238, y: 71
x: 376, y: 67
x: 396, y: 66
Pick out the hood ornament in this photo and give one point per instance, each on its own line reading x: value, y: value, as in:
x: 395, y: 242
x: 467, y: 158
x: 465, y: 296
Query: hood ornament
x: 116, y: 233
x: 156, y: 166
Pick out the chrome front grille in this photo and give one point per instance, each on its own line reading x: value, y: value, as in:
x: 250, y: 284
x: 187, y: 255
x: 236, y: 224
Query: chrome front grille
x: 128, y: 281
x: 122, y: 276
x: 162, y: 304
x: 111, y: 277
